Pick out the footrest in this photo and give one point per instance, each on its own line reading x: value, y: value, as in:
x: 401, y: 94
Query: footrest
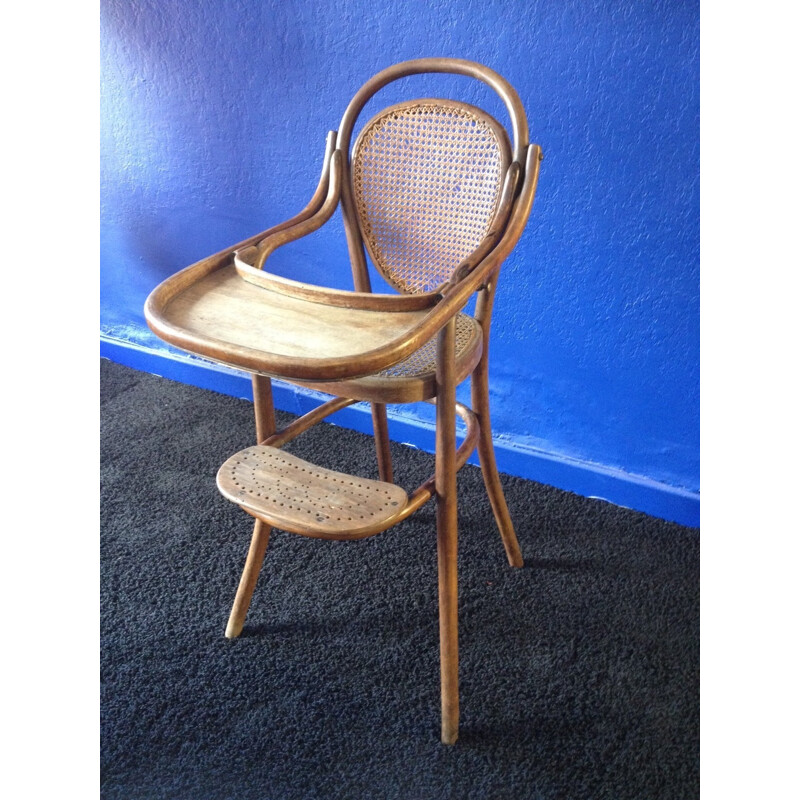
x: 296, y: 496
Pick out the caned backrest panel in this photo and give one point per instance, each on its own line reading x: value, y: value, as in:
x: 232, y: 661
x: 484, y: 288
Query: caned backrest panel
x: 427, y: 177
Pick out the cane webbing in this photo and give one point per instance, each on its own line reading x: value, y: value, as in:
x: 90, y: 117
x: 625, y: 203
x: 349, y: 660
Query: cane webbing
x: 423, y: 361
x: 427, y: 177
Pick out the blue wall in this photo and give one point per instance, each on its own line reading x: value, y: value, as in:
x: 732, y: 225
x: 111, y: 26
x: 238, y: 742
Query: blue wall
x: 214, y: 117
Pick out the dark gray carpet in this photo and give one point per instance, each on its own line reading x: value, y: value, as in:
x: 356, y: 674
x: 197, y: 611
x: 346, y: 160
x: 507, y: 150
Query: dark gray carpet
x: 579, y: 672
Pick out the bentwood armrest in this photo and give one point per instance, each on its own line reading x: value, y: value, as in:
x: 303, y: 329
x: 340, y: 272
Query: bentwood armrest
x: 334, y: 297
x: 317, y: 334
x: 331, y: 179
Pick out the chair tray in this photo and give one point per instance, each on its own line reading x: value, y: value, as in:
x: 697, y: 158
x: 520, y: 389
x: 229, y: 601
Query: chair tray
x: 218, y: 315
x: 296, y: 496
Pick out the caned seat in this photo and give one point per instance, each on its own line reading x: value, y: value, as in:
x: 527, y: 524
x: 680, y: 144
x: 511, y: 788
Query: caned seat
x: 414, y: 378
x: 434, y: 195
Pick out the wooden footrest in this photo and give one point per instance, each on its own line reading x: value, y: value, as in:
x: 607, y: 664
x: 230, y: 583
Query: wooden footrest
x: 296, y: 496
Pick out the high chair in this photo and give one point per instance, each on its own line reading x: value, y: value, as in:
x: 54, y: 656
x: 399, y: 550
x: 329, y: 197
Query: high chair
x: 437, y: 195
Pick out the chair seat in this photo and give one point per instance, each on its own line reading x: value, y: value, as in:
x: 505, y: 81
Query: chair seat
x: 413, y: 379
x: 300, y: 497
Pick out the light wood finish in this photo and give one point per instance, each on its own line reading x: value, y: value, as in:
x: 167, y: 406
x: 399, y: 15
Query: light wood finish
x: 427, y: 489
x: 507, y: 93
x: 380, y: 425
x: 305, y: 422
x: 454, y: 66
x: 379, y: 348
x: 263, y: 407
x: 207, y: 309
x: 242, y: 261
x: 274, y: 240
x: 447, y: 530
x: 201, y: 268
x: 413, y: 379
x: 296, y: 496
x: 265, y: 426
x: 229, y: 320
x: 480, y: 404
x: 247, y: 583
x: 504, y: 206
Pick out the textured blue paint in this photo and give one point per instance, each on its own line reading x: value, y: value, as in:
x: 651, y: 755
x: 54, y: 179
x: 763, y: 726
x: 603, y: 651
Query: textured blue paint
x: 213, y: 124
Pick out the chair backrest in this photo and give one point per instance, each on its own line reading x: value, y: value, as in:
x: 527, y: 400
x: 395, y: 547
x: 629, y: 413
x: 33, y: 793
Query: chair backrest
x: 425, y: 177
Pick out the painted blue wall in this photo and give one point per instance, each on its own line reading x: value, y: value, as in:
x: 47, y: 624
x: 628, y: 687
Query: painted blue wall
x: 214, y: 117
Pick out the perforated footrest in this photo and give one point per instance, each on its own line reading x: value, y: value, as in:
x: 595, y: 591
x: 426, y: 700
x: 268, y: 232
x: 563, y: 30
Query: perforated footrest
x: 296, y: 496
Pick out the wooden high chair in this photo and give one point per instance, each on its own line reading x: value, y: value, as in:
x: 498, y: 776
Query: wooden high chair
x: 437, y: 194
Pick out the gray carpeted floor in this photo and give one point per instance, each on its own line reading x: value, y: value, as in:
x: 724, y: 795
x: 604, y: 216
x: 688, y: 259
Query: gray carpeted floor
x: 579, y: 673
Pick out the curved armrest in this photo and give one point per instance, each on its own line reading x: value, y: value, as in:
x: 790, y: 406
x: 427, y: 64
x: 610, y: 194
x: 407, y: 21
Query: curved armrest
x: 243, y: 262
x: 209, y: 310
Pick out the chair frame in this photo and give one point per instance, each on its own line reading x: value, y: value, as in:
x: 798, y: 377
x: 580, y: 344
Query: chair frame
x: 431, y: 314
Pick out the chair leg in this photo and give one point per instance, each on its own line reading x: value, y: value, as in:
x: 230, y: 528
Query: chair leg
x: 491, y: 479
x: 247, y: 583
x: 447, y: 530
x: 265, y: 427
x: 263, y: 406
x: 381, y: 427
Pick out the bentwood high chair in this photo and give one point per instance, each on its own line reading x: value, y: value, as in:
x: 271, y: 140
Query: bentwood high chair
x: 437, y: 194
